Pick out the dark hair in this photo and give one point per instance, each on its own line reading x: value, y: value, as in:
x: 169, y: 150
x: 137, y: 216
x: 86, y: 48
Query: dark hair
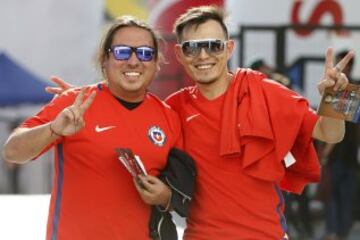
x: 257, y: 64
x: 342, y: 54
x: 119, y: 23
x: 198, y: 15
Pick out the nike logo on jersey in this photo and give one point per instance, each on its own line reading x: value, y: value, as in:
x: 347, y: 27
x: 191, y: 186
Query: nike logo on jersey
x: 188, y: 119
x: 101, y: 129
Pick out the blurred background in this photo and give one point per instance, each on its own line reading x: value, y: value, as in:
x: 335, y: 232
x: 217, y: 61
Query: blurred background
x: 284, y: 39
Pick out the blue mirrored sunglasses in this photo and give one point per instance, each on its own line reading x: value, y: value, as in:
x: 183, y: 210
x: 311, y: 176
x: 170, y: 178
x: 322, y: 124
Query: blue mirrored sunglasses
x: 192, y: 48
x: 123, y: 52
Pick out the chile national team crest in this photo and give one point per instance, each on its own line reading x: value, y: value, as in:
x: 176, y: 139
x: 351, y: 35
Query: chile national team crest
x: 157, y: 136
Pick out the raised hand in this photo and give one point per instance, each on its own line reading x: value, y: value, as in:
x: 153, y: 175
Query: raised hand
x: 152, y: 190
x: 62, y: 86
x: 333, y: 75
x: 71, y: 119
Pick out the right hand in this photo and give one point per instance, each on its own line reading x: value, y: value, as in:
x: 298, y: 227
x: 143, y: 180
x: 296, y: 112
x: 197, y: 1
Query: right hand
x: 333, y: 75
x: 71, y: 119
x: 62, y: 86
x: 152, y: 190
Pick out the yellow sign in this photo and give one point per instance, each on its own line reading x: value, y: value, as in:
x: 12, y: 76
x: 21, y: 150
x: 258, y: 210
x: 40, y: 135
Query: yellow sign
x: 137, y: 8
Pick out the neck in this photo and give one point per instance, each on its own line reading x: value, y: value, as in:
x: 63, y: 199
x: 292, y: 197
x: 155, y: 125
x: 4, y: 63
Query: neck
x: 215, y: 88
x: 128, y: 96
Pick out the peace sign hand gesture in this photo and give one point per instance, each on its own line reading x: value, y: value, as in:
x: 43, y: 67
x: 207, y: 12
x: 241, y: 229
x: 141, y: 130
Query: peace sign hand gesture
x: 333, y: 75
x: 71, y: 119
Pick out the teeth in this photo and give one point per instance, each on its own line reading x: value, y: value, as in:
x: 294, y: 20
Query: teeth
x: 204, y: 66
x: 132, y: 74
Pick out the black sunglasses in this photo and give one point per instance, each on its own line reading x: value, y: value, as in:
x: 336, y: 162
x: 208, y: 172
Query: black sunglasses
x: 192, y: 48
x: 123, y: 52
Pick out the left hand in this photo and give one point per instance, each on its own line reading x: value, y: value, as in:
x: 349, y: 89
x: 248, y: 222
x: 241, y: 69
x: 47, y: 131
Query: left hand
x: 153, y: 191
x: 61, y: 86
x: 71, y: 119
x: 333, y: 75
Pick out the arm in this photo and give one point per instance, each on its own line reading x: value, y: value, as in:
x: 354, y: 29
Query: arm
x: 325, y: 153
x: 328, y: 129
x: 26, y: 143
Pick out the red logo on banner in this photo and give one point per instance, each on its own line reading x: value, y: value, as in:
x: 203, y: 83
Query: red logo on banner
x: 328, y: 7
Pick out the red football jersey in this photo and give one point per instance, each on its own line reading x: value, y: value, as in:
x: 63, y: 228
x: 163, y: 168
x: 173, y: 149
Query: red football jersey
x: 227, y: 203
x: 93, y: 195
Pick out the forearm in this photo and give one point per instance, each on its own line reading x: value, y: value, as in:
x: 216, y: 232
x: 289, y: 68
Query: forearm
x: 26, y: 143
x: 329, y: 130
x: 324, y: 153
x: 327, y: 150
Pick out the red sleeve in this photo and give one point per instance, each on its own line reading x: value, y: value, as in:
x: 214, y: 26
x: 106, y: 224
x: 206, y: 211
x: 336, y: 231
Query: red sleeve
x: 307, y: 166
x: 177, y: 128
x: 307, y: 127
x: 173, y: 101
x: 179, y: 142
x: 48, y: 113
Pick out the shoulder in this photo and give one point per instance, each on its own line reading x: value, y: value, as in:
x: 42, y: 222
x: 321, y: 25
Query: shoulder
x: 267, y: 84
x: 257, y: 79
x: 272, y: 87
x: 165, y: 107
x: 180, y: 96
x: 241, y: 73
x: 274, y: 92
x: 170, y: 114
x: 153, y: 98
x: 286, y: 102
x: 183, y: 92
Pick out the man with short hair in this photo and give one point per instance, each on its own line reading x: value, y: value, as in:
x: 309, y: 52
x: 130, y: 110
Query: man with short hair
x: 249, y: 136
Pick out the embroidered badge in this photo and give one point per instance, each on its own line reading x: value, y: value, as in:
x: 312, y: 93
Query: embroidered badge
x: 157, y: 136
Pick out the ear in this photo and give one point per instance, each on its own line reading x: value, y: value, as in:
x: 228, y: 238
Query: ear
x: 158, y: 65
x: 178, y: 53
x: 105, y: 63
x: 230, y: 45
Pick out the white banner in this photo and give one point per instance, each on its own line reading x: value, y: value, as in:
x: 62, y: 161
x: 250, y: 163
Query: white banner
x: 53, y: 37
x: 312, y: 43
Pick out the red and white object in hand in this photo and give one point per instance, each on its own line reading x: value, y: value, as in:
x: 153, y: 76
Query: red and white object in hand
x: 132, y: 162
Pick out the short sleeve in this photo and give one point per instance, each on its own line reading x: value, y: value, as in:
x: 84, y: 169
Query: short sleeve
x: 48, y: 113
